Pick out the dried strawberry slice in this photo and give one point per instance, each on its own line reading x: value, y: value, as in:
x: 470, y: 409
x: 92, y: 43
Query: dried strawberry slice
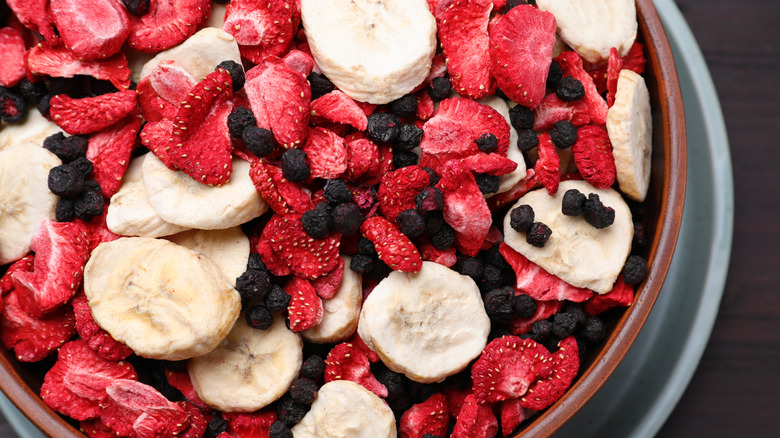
x: 97, y: 230
x: 35, y: 15
x: 358, y: 343
x: 362, y: 153
x: 475, y: 420
x: 262, y: 28
x: 12, y: 62
x: 61, y: 251
x: 91, y: 114
x: 61, y: 63
x: 327, y: 285
x: 539, y: 284
x: 340, y: 108
x: 507, y: 367
x: 282, y: 195
x: 275, y: 265
x: 428, y: 417
x: 167, y: 23
x: 77, y: 26
x: 512, y: 414
x: 544, y: 310
x: 548, y: 166
x: 565, y: 366
x: 621, y: 295
x: 425, y: 106
x: 465, y: 210
x: 109, y: 151
x: 593, y: 156
x: 96, y: 338
x: 33, y: 339
x: 24, y: 264
x: 305, y: 308
x: 347, y: 362
x: 571, y: 64
x: 522, y: 187
x: 250, y: 425
x: 95, y: 428
x: 161, y: 92
x: 447, y: 257
x: 553, y: 110
x: 398, y: 188
x: 136, y: 409
x: 393, y: 247
x: 463, y: 34
x: 491, y: 164
x: 635, y: 59
x: 76, y: 384
x: 380, y: 167
x: 326, y: 152
x: 521, y: 47
x: 197, y: 424
x: 182, y: 382
x: 307, y: 257
x: 614, y: 66
x: 300, y: 61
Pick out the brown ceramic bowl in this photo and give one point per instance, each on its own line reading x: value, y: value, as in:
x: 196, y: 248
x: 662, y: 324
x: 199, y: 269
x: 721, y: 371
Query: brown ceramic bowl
x: 21, y: 382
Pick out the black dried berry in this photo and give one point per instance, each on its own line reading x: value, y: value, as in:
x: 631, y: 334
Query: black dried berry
x: 337, y: 192
x: 255, y: 263
x: 524, y: 306
x: 410, y: 222
x: 429, y: 199
x: 240, y: 119
x: 362, y: 263
x: 320, y: 85
x: 136, y: 7
x: 639, y: 236
x: 89, y: 204
x: 593, y: 331
x: 554, y: 75
x: 65, y: 210
x: 575, y: 310
x: 74, y: 87
x: 570, y: 89
x: 347, y: 218
x: 295, y: 165
x: 366, y: 247
x: 383, y: 127
x: 236, y: 71
x: 472, y: 267
x: 521, y: 218
x: 634, y: 270
x: 66, y: 149
x: 409, y: 137
x: 313, y: 367
x: 541, y: 330
x: 486, y: 183
x: 521, y: 117
x: 538, y: 234
x: 403, y: 159
x: 259, y: 141
x: 216, y: 426
x: 444, y: 239
x: 564, y: 324
x: 83, y: 166
x: 492, y: 277
x: 98, y: 87
x: 277, y: 299
x: 430, y: 435
x: 259, y: 317
x: 253, y: 286
x: 404, y: 106
x: 288, y: 411
x: 439, y: 89
x: 527, y: 140
x: 512, y: 3
x: 572, y: 202
x: 303, y: 390
x: 494, y: 257
x: 434, y: 177
x: 32, y: 91
x: 318, y: 221
x: 596, y: 213
x: 13, y: 107
x: 487, y: 142
x: 66, y: 181
x: 434, y: 220
x: 393, y: 381
x: 90, y: 185
x: 499, y: 304
x: 279, y: 430
x: 563, y: 134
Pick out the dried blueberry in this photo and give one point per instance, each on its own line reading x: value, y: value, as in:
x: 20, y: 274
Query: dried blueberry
x: 288, y: 411
x: 383, y: 127
x: 403, y: 159
x: 429, y: 199
x: 570, y: 89
x: 337, y: 192
x: 279, y: 430
x: 259, y: 141
x: 563, y: 134
x: 521, y: 218
x: 277, y: 299
x: 318, y: 221
x: 137, y: 8
x: 593, y: 331
x: 527, y: 140
x: 439, y: 89
x: 487, y: 183
x: 347, y: 218
x: 409, y: 137
x: 89, y: 204
x: 472, y: 267
x: 564, y: 324
x: 13, y: 107
x: 295, y: 165
x: 66, y: 181
x: 253, y: 285
x: 313, y: 367
x: 571, y: 204
x: 596, y: 213
x: 259, y: 317
x: 410, y: 222
x: 487, y: 142
x: 404, y: 106
x: 320, y: 85
x: 362, y: 263
x: 554, y: 75
x: 634, y: 270
x: 538, y: 234
x: 521, y: 117
x: 444, y: 239
x: 524, y: 306
x: 499, y: 304
x: 236, y: 71
x: 65, y: 210
x: 240, y: 119
x: 303, y: 390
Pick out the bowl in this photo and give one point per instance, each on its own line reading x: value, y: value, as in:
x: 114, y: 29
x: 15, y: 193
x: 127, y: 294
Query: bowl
x: 21, y: 382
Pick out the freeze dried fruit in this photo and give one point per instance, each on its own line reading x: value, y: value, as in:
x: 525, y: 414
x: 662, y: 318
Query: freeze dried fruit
x: 109, y: 151
x: 339, y: 108
x: 348, y: 362
x: 282, y: 195
x: 465, y: 210
x: 133, y: 408
x: 43, y: 59
x: 507, y: 367
x: 91, y: 114
x: 593, y: 156
x: 539, y: 284
x: 12, y: 62
x: 548, y: 166
x: 167, y: 23
x: 565, y: 366
x: 91, y: 32
x: 429, y: 417
x: 306, y: 257
x: 326, y: 153
x: 395, y: 249
x: 305, y: 308
x: 95, y: 337
x: 475, y: 420
x: 397, y: 190
x: 33, y: 339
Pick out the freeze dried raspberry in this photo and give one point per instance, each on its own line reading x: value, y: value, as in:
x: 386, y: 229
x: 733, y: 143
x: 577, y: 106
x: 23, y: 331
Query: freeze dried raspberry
x: 398, y: 188
x: 327, y: 285
x: 305, y: 308
x: 136, y: 409
x: 614, y: 66
x: 91, y: 32
x: 264, y: 28
x: 300, y: 61
x: 24, y: 264
x: 61, y: 251
x: 109, y: 151
x: 362, y: 153
x: 593, y: 156
x: 465, y: 210
x: 571, y: 64
x: 76, y: 384
x: 91, y: 114
x: 428, y: 417
x: 197, y: 424
x: 553, y: 110
x: 12, y: 69
x: 395, y: 249
x: 36, y: 16
x: 339, y: 108
x: 167, y: 23
x: 544, y: 310
x: 250, y: 425
x: 58, y: 62
x: 521, y: 47
x: 507, y: 367
x: 475, y: 420
x: 282, y: 196
x: 512, y: 414
x: 181, y: 381
x: 326, y: 152
x: 97, y: 339
x: 347, y: 362
x: 307, y: 257
x: 621, y: 295
x: 463, y: 34
x: 565, y: 366
x: 548, y: 166
x: 33, y: 339
x: 280, y: 98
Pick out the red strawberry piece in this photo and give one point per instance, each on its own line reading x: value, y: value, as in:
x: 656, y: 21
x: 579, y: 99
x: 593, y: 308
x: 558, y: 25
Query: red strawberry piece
x: 379, y: 167
x: 593, y: 156
x: 61, y: 63
x: 12, y: 63
x: 91, y: 32
x: 36, y: 16
x: 226, y: 435
x: 565, y: 366
x: 544, y: 310
x: 299, y: 61
x: 326, y: 152
x: 368, y: 108
x: 548, y: 166
x: 507, y: 367
x: 76, y: 384
x: 456, y: 396
x: 398, y: 188
x: 275, y: 265
x: 521, y: 47
x: 91, y: 114
x: 197, y: 424
x: 465, y: 210
x: 491, y: 164
x: 447, y: 257
x: 305, y: 308
x: 428, y: 417
x: 61, y: 251
x: 31, y: 338
x: 95, y: 428
x: 340, y: 108
x: 153, y: 107
x: 327, y: 285
x: 161, y: 92
x: 475, y: 420
x: 553, y: 110
x: 522, y: 187
x: 109, y: 151
x: 347, y: 362
x: 307, y: 257
x: 512, y: 414
x: 463, y: 34
x: 167, y: 23
x: 24, y: 264
x: 136, y: 409
x: 358, y: 343
x: 613, y: 73
x: 96, y: 338
x: 182, y: 382
x: 438, y: 70
x: 621, y: 295
x: 494, y: 236
x: 393, y: 247
x: 282, y: 195
x: 282, y: 96
x: 156, y: 136
x: 362, y: 153
x: 635, y: 59
x: 571, y: 64
x: 425, y: 106
x: 250, y: 425
x: 97, y: 231
x: 262, y: 27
